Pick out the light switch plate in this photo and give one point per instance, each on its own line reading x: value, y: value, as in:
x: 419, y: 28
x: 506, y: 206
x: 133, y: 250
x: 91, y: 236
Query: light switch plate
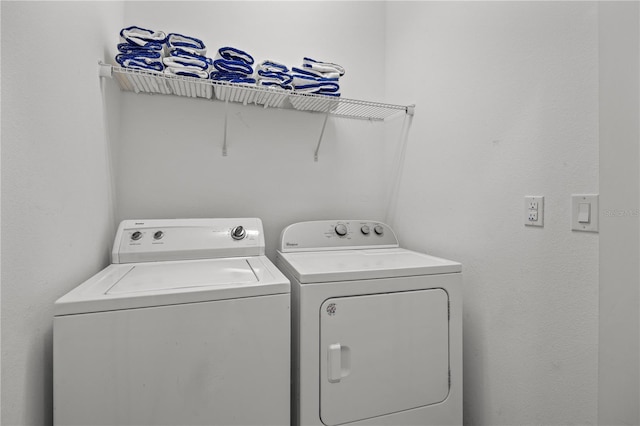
x: 577, y: 222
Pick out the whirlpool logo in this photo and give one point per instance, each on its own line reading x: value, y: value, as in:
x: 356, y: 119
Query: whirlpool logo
x: 331, y: 309
x: 291, y: 244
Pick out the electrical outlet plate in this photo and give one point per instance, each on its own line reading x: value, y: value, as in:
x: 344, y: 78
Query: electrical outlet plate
x: 534, y: 210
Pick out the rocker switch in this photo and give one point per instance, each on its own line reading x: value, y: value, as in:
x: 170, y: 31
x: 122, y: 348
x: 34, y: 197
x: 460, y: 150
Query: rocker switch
x: 584, y: 213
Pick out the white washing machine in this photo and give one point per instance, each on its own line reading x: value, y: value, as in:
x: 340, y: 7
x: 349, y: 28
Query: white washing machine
x: 376, y: 329
x: 189, y: 325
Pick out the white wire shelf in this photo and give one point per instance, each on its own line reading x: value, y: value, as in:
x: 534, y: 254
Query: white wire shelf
x: 151, y: 82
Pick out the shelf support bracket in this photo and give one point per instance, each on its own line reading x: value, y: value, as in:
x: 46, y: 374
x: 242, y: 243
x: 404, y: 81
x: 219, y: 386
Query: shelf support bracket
x: 105, y: 70
x: 226, y: 116
x: 324, y: 125
x: 411, y: 110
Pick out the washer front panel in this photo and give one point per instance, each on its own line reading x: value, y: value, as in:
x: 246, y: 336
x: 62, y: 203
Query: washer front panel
x: 223, y: 362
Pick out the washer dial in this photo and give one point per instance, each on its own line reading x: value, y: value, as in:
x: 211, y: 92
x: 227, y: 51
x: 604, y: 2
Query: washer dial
x: 378, y: 229
x: 341, y: 229
x: 238, y: 233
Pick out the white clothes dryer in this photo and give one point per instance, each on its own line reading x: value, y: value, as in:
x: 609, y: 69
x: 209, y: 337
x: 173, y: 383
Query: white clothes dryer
x: 189, y: 325
x: 376, y: 328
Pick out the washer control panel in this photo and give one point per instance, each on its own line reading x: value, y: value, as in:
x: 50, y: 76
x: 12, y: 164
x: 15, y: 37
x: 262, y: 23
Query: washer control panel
x: 185, y: 239
x: 336, y: 235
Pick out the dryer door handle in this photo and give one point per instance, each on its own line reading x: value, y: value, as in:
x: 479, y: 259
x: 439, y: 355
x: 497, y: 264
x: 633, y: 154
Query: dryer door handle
x: 338, y: 362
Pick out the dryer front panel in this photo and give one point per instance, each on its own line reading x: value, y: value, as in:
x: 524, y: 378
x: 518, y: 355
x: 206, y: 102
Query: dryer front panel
x: 382, y: 354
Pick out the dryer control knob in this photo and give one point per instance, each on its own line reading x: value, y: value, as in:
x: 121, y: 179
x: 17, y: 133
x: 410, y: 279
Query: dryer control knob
x: 238, y: 233
x: 136, y: 236
x: 378, y: 229
x: 341, y: 229
x: 365, y: 229
x: 158, y: 235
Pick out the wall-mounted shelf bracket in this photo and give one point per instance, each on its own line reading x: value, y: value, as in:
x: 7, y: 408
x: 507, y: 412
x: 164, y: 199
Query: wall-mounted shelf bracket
x: 105, y: 70
x: 324, y: 124
x: 411, y: 109
x: 226, y: 117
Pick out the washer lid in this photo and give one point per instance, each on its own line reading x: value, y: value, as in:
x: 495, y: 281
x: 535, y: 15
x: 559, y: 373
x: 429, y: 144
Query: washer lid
x: 346, y: 265
x: 172, y: 276
x: 141, y: 285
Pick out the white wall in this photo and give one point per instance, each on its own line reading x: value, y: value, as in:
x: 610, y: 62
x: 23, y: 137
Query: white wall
x: 507, y: 106
x: 619, y: 375
x: 57, y: 219
x: 0, y: 223
x: 169, y: 157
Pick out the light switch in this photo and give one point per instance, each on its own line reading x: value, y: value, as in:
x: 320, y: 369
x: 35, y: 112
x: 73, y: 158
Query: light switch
x: 584, y: 212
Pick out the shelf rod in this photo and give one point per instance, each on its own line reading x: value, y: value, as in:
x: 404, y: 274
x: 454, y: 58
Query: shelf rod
x: 315, y: 155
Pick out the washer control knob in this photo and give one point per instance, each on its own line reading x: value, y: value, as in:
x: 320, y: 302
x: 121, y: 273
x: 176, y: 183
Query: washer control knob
x: 341, y: 229
x: 158, y: 235
x: 378, y: 229
x: 365, y: 229
x: 136, y: 236
x: 238, y: 233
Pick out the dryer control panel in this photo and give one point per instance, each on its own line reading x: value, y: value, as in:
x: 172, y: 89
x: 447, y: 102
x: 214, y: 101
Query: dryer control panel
x: 337, y: 235
x: 187, y: 239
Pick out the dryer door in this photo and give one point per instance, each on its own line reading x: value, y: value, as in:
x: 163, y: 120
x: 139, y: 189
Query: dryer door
x: 383, y: 353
